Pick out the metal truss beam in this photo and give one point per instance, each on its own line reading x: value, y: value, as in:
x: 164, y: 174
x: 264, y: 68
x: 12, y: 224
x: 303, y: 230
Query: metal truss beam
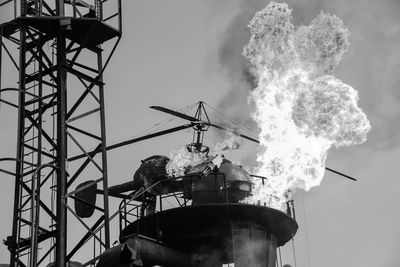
x: 50, y: 45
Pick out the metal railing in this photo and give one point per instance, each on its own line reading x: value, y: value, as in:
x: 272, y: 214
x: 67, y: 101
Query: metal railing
x: 106, y: 11
x: 137, y: 204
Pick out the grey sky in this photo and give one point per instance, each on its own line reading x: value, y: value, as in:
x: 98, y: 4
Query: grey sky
x: 174, y: 53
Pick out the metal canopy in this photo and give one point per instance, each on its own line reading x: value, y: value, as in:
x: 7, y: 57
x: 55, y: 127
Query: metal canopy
x: 85, y: 31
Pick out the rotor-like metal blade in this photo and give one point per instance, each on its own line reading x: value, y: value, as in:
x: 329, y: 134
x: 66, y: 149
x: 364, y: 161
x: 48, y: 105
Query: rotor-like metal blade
x: 175, y: 113
x: 341, y: 174
x: 149, y: 136
x: 326, y: 168
x: 257, y: 141
x: 134, y: 140
x: 241, y: 135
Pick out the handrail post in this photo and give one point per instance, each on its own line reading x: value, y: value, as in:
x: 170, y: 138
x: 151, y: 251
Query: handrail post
x: 226, y: 190
x: 160, y: 202
x: 184, y: 192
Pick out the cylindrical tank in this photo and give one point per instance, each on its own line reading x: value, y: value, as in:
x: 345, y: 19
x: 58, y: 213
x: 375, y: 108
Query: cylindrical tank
x: 216, y: 234
x: 214, y: 229
x: 141, y: 251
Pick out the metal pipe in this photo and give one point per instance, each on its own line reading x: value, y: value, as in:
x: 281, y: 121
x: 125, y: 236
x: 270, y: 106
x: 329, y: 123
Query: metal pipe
x: 120, y: 16
x: 74, y: 8
x: 152, y: 253
x: 125, y: 187
x: 35, y: 212
x: 6, y: 2
x: 37, y: 174
x: 294, y: 213
x: 61, y: 246
x: 1, y: 54
x: 143, y: 251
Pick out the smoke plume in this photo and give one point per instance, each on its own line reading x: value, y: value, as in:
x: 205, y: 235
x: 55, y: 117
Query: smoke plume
x: 233, y: 66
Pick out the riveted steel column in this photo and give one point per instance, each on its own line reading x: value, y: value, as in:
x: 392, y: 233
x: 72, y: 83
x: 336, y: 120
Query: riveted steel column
x: 61, y: 240
x: 104, y: 153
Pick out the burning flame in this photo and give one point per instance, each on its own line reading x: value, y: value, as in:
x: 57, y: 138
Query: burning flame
x: 182, y: 159
x: 301, y: 108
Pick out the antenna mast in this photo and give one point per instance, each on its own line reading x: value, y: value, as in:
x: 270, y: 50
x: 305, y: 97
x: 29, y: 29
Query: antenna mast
x: 57, y: 91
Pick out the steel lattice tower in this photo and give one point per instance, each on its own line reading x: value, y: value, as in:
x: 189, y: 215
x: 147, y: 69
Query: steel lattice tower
x: 57, y: 49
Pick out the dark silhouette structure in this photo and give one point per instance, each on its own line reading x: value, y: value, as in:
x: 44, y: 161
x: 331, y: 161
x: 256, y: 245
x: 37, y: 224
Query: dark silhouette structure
x: 49, y: 45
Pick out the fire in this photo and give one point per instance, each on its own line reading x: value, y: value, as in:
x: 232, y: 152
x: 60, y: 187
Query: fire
x: 182, y: 159
x: 301, y: 108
